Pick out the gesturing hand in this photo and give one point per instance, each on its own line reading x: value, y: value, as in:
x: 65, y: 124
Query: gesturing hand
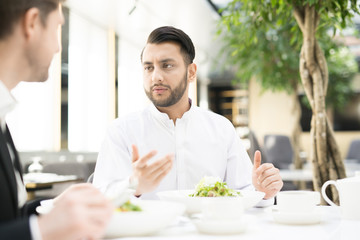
x: 149, y: 175
x: 265, y: 177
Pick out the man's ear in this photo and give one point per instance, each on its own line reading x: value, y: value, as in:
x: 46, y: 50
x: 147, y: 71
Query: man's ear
x: 192, y: 72
x: 31, y: 21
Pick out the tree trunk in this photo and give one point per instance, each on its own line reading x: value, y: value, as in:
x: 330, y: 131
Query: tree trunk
x: 296, y: 129
x: 295, y: 135
x: 325, y: 156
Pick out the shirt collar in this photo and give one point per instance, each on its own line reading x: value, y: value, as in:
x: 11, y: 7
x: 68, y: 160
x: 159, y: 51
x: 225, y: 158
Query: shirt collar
x: 7, y: 102
x: 165, y: 118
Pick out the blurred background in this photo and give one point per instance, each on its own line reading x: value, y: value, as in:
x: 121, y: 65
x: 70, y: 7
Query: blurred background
x: 97, y: 77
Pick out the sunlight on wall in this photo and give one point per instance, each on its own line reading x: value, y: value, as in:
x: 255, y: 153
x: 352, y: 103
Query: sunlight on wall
x: 34, y: 123
x: 88, y: 84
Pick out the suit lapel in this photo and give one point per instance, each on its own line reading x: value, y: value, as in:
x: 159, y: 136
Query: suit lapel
x: 8, y: 166
x: 16, y: 155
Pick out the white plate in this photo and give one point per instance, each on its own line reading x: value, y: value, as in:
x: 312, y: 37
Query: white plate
x: 194, y: 204
x: 222, y: 227
x: 155, y: 215
x: 301, y: 218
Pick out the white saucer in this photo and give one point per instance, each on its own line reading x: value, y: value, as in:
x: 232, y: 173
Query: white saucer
x: 222, y: 227
x: 314, y: 217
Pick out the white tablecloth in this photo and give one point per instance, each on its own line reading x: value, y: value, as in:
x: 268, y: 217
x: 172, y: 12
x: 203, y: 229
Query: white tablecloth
x: 263, y: 227
x: 47, y: 177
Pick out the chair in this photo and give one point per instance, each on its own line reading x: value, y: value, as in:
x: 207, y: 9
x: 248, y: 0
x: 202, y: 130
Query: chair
x: 91, y: 178
x: 254, y: 146
x: 278, y: 150
x: 354, y: 150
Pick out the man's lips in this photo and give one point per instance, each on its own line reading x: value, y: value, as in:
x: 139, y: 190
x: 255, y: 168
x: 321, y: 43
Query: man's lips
x: 159, y: 90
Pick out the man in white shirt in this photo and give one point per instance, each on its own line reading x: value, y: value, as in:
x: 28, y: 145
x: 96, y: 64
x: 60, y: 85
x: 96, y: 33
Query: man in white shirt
x: 28, y: 41
x: 180, y: 143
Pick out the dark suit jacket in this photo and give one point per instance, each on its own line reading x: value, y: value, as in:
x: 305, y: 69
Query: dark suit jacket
x: 14, y: 222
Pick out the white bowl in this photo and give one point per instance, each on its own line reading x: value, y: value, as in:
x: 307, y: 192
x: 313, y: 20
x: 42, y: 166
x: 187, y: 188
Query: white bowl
x: 155, y: 215
x: 194, y: 204
x: 224, y: 227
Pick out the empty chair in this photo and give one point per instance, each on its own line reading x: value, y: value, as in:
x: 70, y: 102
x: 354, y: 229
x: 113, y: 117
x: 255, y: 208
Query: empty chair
x: 91, y: 178
x: 278, y: 150
x: 254, y: 145
x: 354, y: 150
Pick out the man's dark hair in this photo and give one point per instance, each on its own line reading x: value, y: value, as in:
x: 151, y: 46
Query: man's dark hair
x: 171, y: 34
x: 11, y: 11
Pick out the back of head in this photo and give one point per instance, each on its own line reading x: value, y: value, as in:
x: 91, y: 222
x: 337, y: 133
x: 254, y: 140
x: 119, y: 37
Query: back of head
x: 171, y: 34
x: 12, y: 11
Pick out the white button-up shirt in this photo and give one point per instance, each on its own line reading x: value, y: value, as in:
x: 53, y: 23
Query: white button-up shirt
x: 203, y: 143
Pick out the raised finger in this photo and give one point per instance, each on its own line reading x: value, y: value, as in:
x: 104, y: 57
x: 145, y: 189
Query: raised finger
x: 165, y: 168
x: 135, y: 153
x: 161, y: 174
x: 143, y: 160
x: 257, y: 160
x: 159, y: 164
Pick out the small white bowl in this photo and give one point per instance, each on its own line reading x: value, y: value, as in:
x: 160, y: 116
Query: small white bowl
x: 155, y: 215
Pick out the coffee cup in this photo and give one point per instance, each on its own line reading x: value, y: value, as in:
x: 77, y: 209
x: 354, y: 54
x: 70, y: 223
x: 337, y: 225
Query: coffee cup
x: 222, y: 209
x: 297, y: 201
x: 349, y: 196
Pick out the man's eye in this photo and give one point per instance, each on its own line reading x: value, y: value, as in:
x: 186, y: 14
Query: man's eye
x: 166, y: 65
x: 148, y: 68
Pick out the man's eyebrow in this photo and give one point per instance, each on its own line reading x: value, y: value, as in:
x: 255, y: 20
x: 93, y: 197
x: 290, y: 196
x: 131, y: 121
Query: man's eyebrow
x: 167, y: 60
x: 162, y: 61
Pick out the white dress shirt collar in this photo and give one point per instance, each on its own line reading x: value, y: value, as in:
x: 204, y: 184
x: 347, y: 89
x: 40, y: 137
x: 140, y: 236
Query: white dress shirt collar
x: 7, y: 103
x: 163, y: 117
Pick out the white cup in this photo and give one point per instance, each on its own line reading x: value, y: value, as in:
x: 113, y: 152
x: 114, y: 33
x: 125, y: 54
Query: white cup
x: 222, y: 209
x: 349, y: 196
x: 297, y: 201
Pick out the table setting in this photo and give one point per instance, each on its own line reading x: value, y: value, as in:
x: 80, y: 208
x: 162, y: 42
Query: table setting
x: 183, y: 214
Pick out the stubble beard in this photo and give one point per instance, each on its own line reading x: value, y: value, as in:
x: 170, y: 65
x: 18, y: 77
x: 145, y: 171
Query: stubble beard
x: 174, y: 97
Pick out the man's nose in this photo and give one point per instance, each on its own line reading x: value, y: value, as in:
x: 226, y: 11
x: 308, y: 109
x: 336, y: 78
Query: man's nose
x: 156, y: 76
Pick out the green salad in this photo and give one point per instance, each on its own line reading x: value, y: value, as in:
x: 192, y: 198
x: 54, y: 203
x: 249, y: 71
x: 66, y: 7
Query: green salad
x: 129, y: 207
x: 213, y: 187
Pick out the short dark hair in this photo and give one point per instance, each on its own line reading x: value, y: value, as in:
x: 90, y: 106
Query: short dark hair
x: 171, y: 34
x: 11, y: 11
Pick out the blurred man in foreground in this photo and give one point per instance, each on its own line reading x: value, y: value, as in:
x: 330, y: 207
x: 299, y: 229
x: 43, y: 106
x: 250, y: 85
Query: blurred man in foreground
x: 28, y: 42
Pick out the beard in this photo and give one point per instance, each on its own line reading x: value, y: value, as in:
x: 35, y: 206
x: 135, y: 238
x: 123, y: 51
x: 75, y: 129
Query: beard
x: 174, y: 97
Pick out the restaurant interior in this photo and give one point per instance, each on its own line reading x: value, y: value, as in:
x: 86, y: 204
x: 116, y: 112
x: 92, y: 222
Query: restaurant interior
x: 97, y: 78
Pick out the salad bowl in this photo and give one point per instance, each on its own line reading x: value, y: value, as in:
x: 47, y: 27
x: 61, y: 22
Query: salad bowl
x: 194, y: 204
x: 154, y: 216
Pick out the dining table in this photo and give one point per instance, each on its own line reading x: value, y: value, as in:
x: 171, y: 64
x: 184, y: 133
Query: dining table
x: 306, y: 174
x: 259, y: 224
x: 41, y: 181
